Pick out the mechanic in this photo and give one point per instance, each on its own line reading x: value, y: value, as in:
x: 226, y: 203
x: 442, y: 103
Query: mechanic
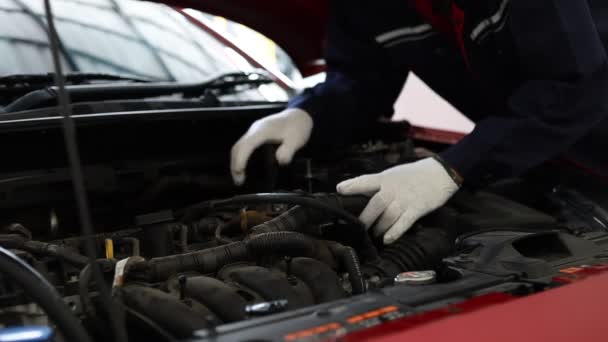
x: 533, y: 75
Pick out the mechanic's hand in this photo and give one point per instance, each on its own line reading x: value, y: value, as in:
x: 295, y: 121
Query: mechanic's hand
x: 290, y: 128
x: 401, y: 195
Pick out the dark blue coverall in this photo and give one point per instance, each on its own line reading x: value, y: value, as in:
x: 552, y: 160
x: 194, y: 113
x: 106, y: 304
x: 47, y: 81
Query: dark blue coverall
x: 533, y: 75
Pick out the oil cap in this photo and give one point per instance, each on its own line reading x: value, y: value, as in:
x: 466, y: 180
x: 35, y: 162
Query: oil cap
x: 416, y: 278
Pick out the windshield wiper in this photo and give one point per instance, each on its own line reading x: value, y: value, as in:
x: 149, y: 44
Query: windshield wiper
x: 25, y: 83
x: 220, y: 84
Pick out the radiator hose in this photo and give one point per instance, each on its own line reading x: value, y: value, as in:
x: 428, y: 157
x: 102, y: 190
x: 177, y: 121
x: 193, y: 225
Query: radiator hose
x: 421, y: 249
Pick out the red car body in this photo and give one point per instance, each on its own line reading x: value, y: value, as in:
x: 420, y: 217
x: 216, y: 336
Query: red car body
x: 575, y: 312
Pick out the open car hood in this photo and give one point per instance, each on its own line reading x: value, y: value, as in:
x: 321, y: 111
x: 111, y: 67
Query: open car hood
x: 298, y: 26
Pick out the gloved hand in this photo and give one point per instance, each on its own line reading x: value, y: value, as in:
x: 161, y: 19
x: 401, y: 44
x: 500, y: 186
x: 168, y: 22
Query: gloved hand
x: 290, y: 128
x: 401, y: 195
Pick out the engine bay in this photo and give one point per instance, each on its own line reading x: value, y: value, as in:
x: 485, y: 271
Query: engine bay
x: 190, y: 257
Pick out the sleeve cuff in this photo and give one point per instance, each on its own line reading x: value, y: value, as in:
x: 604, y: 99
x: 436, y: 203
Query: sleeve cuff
x: 307, y: 102
x: 326, y: 130
x: 475, y: 173
x: 456, y: 177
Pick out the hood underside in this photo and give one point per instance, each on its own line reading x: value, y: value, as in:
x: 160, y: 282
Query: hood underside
x: 298, y: 26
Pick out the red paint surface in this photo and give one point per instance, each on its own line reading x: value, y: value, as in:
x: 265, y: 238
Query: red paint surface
x: 584, y: 168
x: 575, y: 312
x: 435, y: 135
x: 427, y: 317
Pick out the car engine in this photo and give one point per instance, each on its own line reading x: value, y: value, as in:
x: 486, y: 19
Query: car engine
x: 270, y: 264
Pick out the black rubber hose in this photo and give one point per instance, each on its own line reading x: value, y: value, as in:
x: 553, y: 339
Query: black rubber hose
x: 83, y: 291
x: 222, y: 240
x: 421, y: 249
x: 205, y: 261
x: 11, y: 241
x: 84, y: 280
x: 16, y: 228
x: 282, y: 243
x: 300, y: 217
x: 326, y: 205
x: 306, y: 220
x: 43, y: 294
x: 350, y: 262
x: 43, y: 248
x: 212, y: 259
x: 274, y: 198
x: 294, y: 220
x: 17, y: 241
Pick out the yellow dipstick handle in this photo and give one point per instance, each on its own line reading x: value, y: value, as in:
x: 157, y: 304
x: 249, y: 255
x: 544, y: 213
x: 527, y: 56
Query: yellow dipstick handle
x: 109, y: 249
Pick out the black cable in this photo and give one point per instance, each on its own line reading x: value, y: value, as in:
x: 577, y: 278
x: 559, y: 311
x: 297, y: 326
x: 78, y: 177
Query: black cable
x: 58, y: 251
x: 369, y: 251
x: 219, y: 237
x: 84, y: 281
x: 114, y: 312
x: 293, y: 199
x: 210, y: 260
x: 43, y: 294
x: 348, y: 258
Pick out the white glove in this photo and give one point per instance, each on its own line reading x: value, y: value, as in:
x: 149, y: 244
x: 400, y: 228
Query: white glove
x: 401, y: 195
x: 290, y: 128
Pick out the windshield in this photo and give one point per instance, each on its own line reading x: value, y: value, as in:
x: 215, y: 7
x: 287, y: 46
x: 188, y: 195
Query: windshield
x: 123, y: 37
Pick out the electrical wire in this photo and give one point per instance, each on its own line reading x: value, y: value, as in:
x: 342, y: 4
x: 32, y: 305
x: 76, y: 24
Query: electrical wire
x: 44, y: 294
x: 368, y: 249
x: 115, y: 313
x: 281, y: 198
x: 84, y: 281
x: 219, y: 237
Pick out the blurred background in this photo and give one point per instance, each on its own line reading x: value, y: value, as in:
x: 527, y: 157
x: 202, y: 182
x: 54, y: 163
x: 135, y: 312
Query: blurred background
x: 156, y: 42
x: 417, y: 103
